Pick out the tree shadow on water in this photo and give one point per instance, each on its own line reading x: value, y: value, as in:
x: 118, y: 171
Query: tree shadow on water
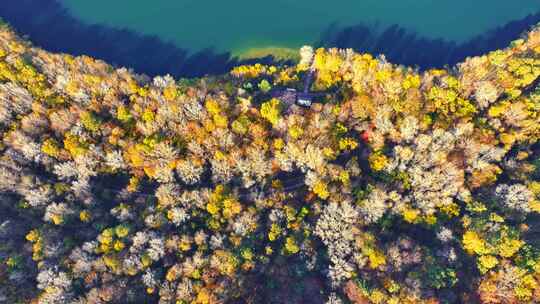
x: 402, y: 46
x: 49, y: 25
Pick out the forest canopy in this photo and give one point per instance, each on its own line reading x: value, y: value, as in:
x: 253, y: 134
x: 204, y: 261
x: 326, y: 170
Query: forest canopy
x: 394, y: 186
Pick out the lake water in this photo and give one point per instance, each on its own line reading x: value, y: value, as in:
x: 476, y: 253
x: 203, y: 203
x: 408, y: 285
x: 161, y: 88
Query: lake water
x: 409, y: 31
x: 236, y: 25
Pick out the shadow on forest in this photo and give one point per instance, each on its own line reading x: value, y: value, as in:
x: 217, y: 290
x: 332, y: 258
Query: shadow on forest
x: 50, y: 26
x: 408, y: 48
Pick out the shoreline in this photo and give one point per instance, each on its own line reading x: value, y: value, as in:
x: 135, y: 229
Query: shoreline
x: 278, y: 52
x: 55, y: 30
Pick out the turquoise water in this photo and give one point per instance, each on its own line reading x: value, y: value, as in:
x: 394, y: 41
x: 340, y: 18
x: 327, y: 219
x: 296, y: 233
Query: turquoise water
x: 236, y: 25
